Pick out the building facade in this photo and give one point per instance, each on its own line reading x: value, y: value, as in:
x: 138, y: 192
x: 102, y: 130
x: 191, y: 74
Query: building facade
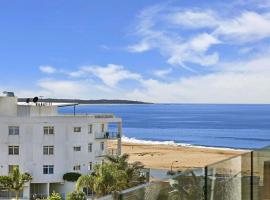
x: 45, y: 144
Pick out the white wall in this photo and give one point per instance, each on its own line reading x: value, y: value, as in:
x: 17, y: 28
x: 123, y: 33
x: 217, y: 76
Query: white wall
x: 8, y: 106
x: 31, y: 119
x: 32, y: 139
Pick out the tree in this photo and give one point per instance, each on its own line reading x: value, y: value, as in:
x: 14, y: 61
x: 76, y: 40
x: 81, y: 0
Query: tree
x: 105, y: 179
x: 120, y: 161
x: 15, y: 181
x: 55, y: 196
x: 76, y: 195
x: 71, y: 176
x: 134, y: 174
x: 133, y: 170
x: 112, y: 176
x: 187, y: 186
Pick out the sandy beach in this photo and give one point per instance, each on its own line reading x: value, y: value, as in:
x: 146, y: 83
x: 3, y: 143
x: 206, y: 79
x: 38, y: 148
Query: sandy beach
x: 161, y: 156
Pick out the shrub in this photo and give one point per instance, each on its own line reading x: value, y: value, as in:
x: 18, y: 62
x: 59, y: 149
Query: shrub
x: 76, y: 195
x: 71, y: 176
x: 55, y: 196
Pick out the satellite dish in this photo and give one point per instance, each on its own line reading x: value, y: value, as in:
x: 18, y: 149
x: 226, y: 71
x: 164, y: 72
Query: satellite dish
x: 35, y: 99
x: 28, y: 100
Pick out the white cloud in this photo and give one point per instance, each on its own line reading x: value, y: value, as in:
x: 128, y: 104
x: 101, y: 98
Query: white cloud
x: 163, y: 28
x: 202, y: 42
x: 184, y: 36
x: 140, y: 47
x: 249, y: 26
x: 75, y: 74
x: 110, y: 75
x: 47, y: 69
x: 212, y: 88
x: 73, y: 89
x: 244, y: 81
x: 177, y: 49
x: 162, y: 73
x: 193, y: 19
x: 258, y: 64
x: 234, y: 82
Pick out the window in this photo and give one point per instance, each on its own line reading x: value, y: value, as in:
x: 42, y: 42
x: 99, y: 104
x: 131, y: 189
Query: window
x: 88, y: 192
x: 77, y: 148
x: 48, y: 130
x: 77, y: 129
x: 11, y: 168
x: 102, y: 146
x: 13, y: 130
x: 48, y: 169
x: 90, y: 166
x: 90, y: 128
x: 77, y: 167
x: 90, y: 145
x: 13, y: 150
x: 102, y: 127
x: 48, y: 150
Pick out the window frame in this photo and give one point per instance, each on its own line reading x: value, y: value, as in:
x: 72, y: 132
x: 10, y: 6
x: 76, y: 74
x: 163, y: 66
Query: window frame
x: 90, y: 166
x: 48, y: 169
x: 77, y: 129
x: 90, y: 128
x: 77, y: 168
x: 11, y: 168
x: 102, y: 146
x: 77, y: 148
x: 13, y: 130
x: 48, y: 150
x: 48, y: 130
x: 102, y: 127
x: 90, y: 147
x: 13, y: 150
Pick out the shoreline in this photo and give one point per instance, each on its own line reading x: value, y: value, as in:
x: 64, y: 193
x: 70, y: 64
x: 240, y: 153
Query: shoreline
x: 161, y: 156
x: 172, y: 143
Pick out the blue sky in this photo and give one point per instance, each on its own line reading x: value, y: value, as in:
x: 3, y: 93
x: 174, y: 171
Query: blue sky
x: 174, y: 51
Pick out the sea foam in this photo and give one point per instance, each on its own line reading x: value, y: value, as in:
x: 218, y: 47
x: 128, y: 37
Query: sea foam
x: 172, y: 143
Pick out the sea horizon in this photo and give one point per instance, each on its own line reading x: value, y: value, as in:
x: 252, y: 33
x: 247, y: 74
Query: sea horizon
x: 233, y: 126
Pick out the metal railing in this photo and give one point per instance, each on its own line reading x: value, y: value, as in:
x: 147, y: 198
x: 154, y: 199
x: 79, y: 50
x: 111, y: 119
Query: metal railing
x: 100, y: 153
x: 108, y: 135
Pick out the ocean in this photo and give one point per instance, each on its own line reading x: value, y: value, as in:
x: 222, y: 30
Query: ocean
x: 208, y: 125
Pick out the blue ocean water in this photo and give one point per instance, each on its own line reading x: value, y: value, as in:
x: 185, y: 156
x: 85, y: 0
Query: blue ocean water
x: 232, y: 126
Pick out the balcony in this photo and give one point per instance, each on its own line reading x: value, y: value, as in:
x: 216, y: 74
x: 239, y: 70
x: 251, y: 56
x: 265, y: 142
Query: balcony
x: 111, y: 152
x: 109, y: 135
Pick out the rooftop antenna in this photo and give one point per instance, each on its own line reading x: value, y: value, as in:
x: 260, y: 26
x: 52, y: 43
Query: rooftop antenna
x: 35, y: 99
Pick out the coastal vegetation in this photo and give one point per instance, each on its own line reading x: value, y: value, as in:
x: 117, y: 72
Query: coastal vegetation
x: 55, y: 196
x: 76, y: 195
x: 71, y: 176
x: 112, y: 176
x: 15, y: 181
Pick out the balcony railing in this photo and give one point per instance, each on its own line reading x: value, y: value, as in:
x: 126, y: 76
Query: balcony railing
x: 100, y: 153
x: 108, y: 135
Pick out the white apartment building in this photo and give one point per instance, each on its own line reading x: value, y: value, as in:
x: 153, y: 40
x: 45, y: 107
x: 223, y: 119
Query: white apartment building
x: 47, y: 145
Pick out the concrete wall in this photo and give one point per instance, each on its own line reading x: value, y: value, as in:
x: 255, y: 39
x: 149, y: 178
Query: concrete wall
x: 8, y: 106
x: 31, y: 120
x: 32, y: 139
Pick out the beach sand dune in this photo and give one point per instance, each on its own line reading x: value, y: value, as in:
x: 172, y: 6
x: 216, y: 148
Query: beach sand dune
x: 162, y: 156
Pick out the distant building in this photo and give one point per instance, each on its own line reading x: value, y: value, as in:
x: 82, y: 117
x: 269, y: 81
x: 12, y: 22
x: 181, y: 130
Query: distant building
x: 34, y: 137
